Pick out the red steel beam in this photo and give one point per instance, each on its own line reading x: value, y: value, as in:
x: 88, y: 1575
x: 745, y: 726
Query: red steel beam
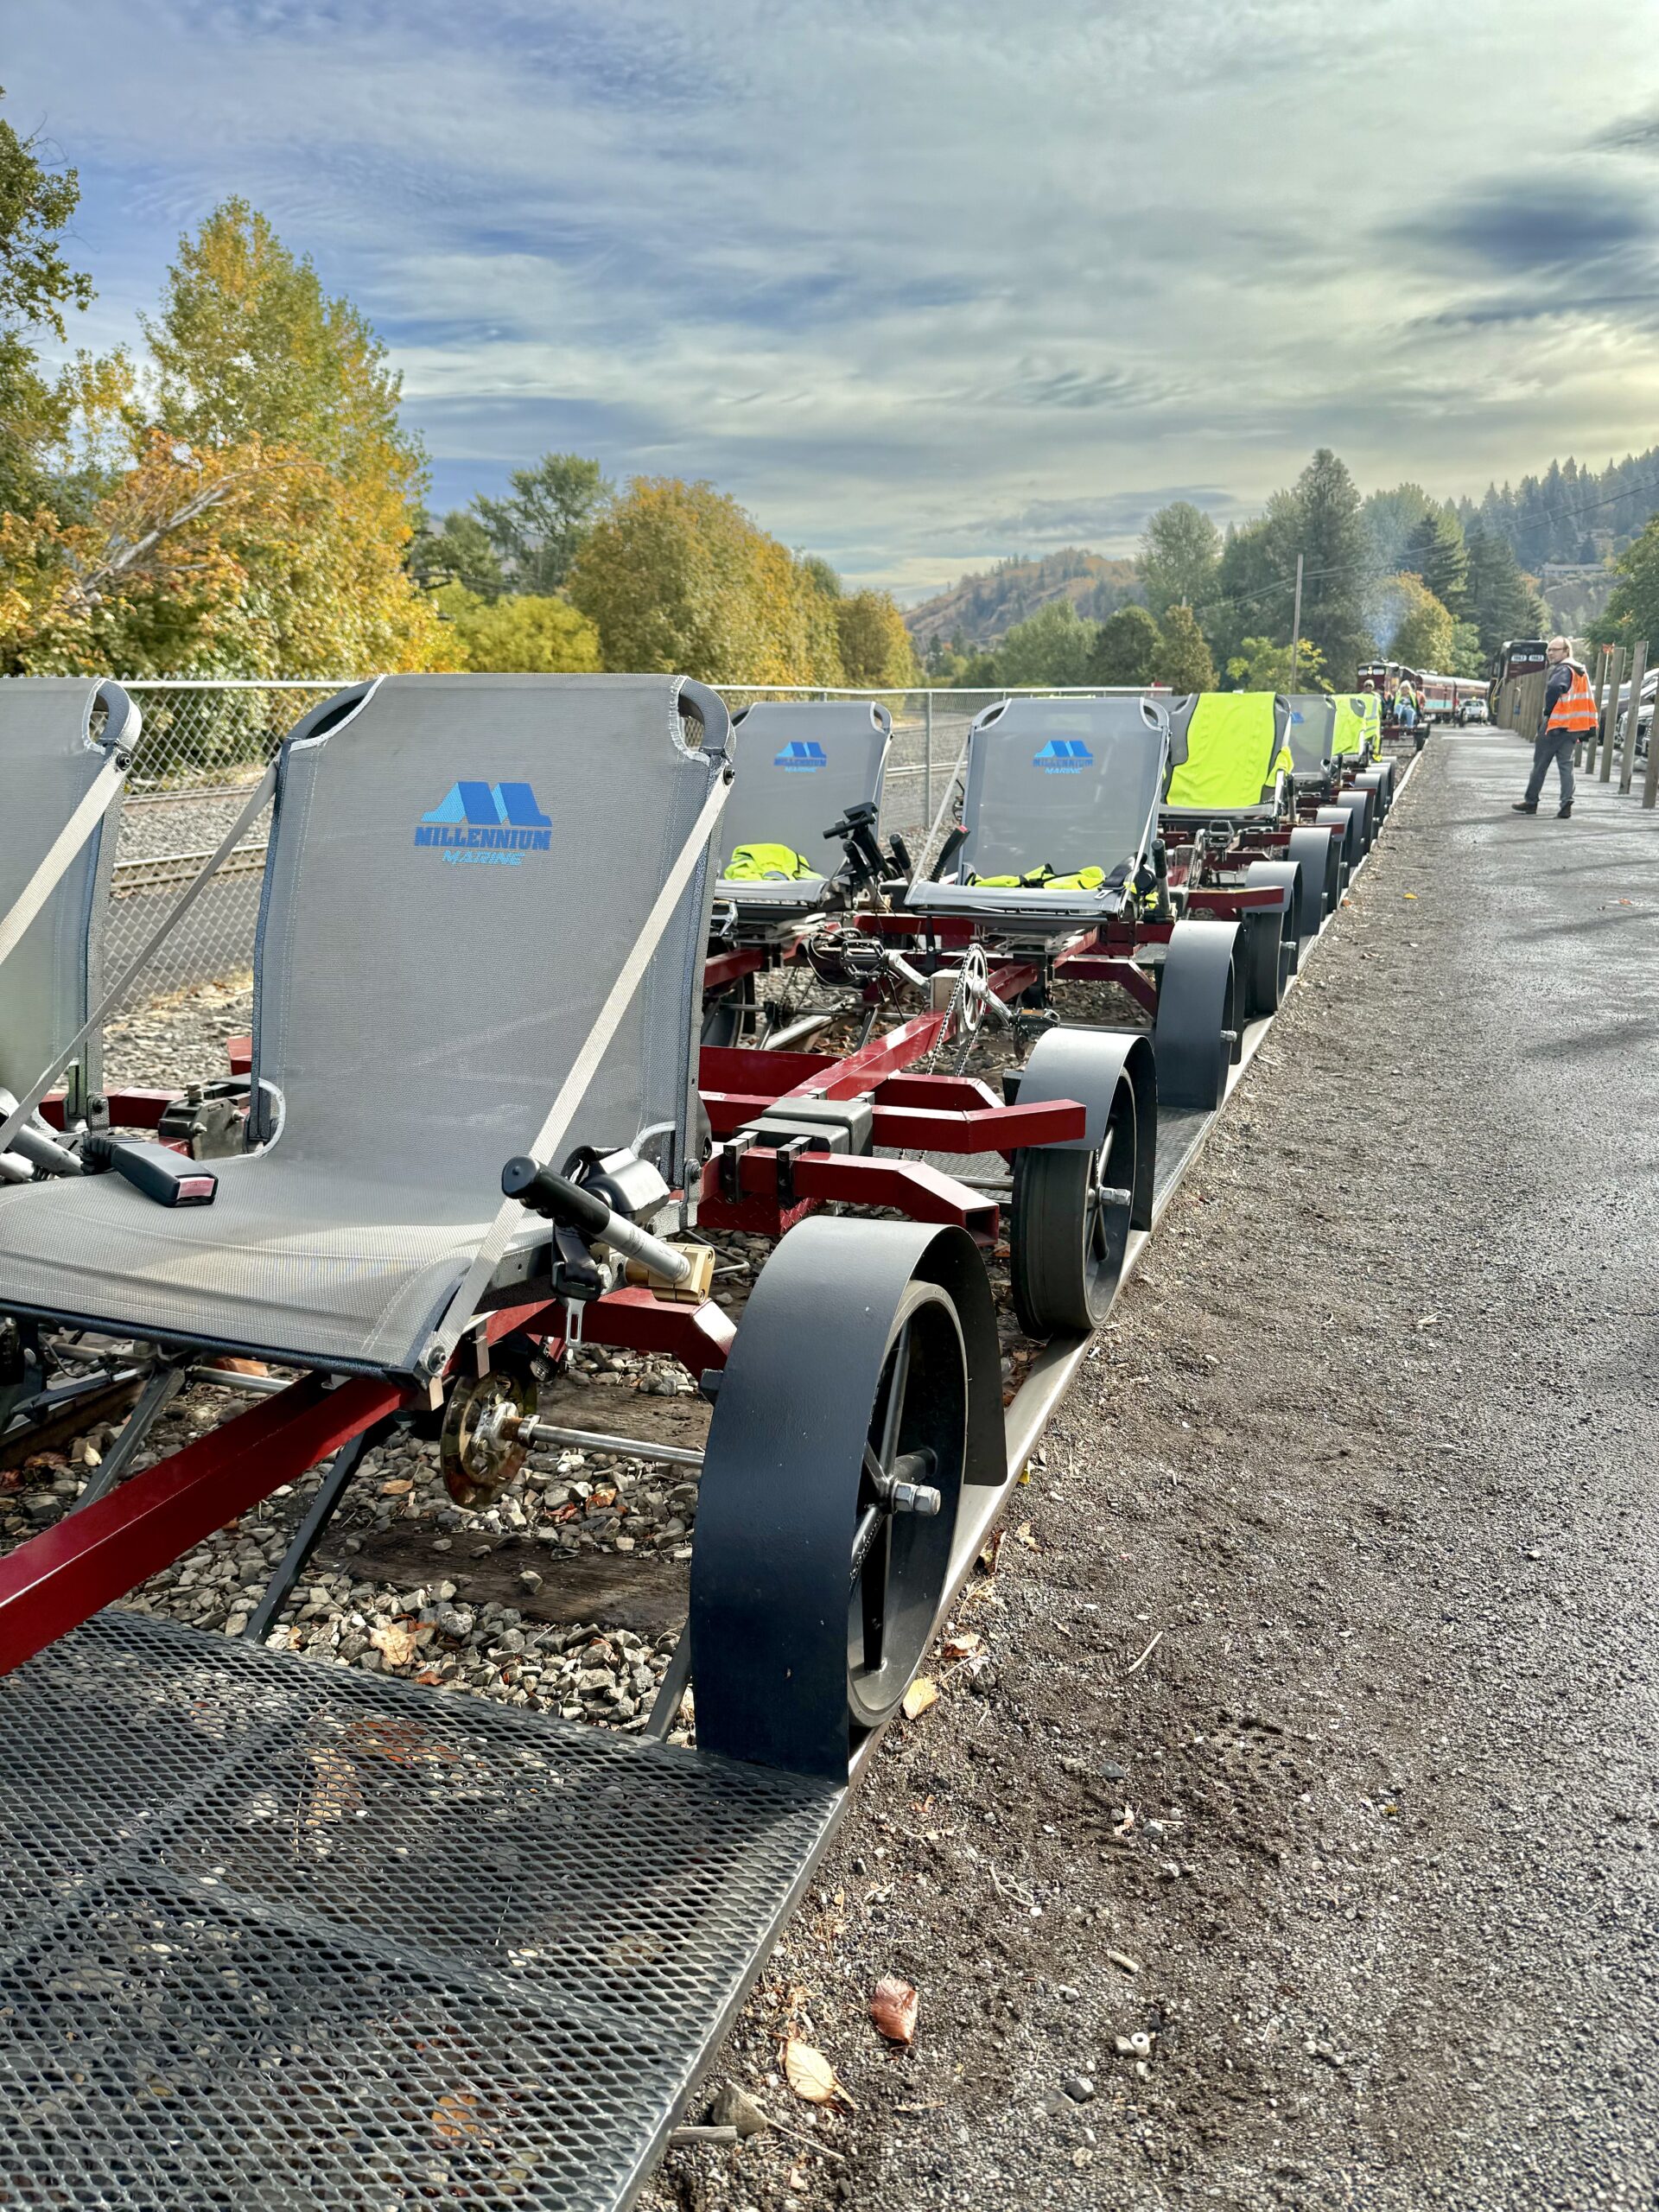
x: 723, y: 968
x: 860, y: 1071
x: 129, y: 1109
x: 56, y: 1580
x: 751, y: 1067
x: 636, y: 1319
x: 909, y: 1128
x: 1109, y: 968
x: 909, y: 1186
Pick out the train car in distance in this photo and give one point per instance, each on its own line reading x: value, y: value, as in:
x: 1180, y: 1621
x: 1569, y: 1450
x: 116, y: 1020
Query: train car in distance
x: 1446, y: 698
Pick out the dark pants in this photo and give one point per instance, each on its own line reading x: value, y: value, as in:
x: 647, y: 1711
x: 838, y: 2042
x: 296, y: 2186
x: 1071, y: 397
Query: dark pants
x: 1556, y: 746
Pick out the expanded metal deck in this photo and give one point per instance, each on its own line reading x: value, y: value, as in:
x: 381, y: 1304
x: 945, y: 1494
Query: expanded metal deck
x: 282, y: 1935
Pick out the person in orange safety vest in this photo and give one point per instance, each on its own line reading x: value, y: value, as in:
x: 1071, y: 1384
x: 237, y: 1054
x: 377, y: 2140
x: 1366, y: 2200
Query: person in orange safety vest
x: 1569, y: 714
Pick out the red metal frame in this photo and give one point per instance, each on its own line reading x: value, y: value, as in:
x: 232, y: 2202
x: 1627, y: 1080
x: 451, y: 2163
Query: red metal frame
x: 129, y: 1109
x: 911, y: 1129
x: 909, y: 1186
x: 52, y: 1582
x: 636, y: 1319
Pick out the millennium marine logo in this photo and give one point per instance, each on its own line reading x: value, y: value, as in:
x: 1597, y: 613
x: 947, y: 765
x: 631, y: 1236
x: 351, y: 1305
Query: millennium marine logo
x: 1063, y: 756
x: 493, y: 825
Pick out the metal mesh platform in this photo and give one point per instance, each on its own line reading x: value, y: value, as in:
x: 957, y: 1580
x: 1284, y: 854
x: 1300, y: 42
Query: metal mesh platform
x: 274, y: 1934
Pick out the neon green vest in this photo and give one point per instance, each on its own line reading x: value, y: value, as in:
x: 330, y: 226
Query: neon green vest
x: 1230, y: 756
x: 1351, y: 734
x: 767, y: 864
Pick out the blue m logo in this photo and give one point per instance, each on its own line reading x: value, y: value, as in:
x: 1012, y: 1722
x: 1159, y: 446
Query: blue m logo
x: 485, y: 804
x: 1063, y: 756
x: 492, y: 823
x: 801, y: 756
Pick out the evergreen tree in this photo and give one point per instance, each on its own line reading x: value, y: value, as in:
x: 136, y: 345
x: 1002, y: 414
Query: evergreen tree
x: 538, y: 529
x: 1500, y: 603
x: 1183, y: 659
x: 1179, y: 552
x: 1435, y: 551
x: 1337, y: 565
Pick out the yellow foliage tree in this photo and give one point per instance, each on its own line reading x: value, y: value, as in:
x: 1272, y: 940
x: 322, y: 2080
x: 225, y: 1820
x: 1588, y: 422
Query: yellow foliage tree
x: 676, y: 576
x: 876, y: 653
x: 526, y: 633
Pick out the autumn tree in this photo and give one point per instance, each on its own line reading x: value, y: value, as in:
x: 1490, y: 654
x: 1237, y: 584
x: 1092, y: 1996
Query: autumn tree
x: 537, y: 531
x: 1264, y: 665
x: 1179, y: 549
x: 1183, y: 660
x: 1125, y: 648
x: 876, y: 653
x: 1420, y: 628
x: 678, y: 576
x: 523, y: 632
x: 37, y: 289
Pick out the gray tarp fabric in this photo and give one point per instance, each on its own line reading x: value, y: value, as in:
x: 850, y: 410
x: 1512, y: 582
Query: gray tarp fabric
x: 48, y: 760
x: 1063, y: 784
x: 458, y: 867
x: 1311, y: 734
x: 800, y: 763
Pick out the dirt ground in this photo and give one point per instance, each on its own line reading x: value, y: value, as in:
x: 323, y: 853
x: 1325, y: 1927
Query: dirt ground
x: 1289, y: 1838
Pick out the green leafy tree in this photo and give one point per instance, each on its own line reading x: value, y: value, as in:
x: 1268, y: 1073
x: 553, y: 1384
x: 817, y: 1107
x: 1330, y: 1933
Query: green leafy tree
x: 1183, y: 659
x: 1264, y: 665
x: 522, y: 633
x: 1436, y: 552
x: 1389, y: 517
x: 1632, y: 613
x: 1420, y: 630
x: 37, y: 287
x: 1051, y: 646
x: 1337, y: 565
x: 876, y: 653
x: 1125, y: 648
x: 538, y: 529
x: 1466, y: 658
x: 1180, y: 548
x: 458, y: 551
x: 1255, y: 580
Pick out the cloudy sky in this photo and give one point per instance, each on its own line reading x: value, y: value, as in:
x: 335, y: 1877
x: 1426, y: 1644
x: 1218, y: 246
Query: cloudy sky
x: 923, y: 282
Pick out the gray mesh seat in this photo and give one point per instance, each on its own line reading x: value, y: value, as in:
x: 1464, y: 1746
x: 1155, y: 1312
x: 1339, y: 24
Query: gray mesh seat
x: 48, y: 759
x: 458, y: 867
x: 1311, y: 734
x: 1057, y: 784
x: 800, y: 764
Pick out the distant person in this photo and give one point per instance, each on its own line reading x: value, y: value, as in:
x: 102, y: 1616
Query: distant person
x: 1569, y: 714
x: 1405, y: 708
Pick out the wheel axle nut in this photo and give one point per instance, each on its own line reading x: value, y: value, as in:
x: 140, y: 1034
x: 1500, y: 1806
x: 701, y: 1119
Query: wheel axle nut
x: 916, y: 1497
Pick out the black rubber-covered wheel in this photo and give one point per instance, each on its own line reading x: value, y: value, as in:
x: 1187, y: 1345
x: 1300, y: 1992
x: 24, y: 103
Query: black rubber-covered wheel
x: 1069, y: 1232
x: 1349, y: 825
x: 1320, y: 854
x: 1379, y: 781
x: 1267, y: 952
x: 1195, y: 1035
x: 1362, y: 803
x: 867, y: 1354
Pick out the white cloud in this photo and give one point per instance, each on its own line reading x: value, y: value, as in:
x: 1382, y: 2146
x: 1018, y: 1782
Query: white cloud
x: 888, y: 269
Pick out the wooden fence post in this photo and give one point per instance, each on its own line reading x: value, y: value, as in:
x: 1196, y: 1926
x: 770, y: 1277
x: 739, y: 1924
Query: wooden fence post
x: 1610, y: 713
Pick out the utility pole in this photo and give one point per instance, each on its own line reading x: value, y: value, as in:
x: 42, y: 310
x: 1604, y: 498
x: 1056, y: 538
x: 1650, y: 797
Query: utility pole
x: 1296, y: 625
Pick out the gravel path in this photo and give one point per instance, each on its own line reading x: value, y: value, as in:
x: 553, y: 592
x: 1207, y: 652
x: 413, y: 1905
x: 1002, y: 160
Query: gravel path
x: 1344, y: 1894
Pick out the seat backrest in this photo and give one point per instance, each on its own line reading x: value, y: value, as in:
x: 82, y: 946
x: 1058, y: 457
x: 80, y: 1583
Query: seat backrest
x: 48, y: 758
x: 1234, y: 743
x: 1065, y: 784
x: 800, y: 764
x: 459, y: 867
x: 1310, y: 730
x: 1354, y: 714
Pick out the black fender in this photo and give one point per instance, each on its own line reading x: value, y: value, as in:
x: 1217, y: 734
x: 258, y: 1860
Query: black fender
x: 1195, y: 1036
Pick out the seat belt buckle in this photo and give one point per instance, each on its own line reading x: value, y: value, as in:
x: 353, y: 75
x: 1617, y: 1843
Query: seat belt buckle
x: 165, y: 1176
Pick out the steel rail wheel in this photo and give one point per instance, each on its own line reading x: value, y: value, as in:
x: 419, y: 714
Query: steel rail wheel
x: 1074, y: 1205
x: 1319, y: 855
x: 863, y: 1391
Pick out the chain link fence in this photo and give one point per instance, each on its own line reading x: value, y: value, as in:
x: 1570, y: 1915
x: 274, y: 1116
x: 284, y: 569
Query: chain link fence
x: 205, y: 744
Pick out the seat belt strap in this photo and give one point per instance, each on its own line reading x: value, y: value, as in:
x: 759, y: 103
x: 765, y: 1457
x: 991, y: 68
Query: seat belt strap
x: 135, y: 967
x: 96, y: 801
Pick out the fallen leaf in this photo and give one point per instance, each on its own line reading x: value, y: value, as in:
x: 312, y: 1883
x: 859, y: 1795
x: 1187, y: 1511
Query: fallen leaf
x: 47, y: 1462
x: 922, y: 1693
x: 964, y: 1643
x: 811, y: 2076
x: 396, y: 1641
x: 230, y: 1365
x: 893, y: 2008
x: 1022, y: 1536
x: 1411, y: 894
x: 455, y: 2119
x: 335, y: 1793
x: 1427, y: 1320
x: 600, y: 1500
x: 566, y: 1512
x: 399, y: 1487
